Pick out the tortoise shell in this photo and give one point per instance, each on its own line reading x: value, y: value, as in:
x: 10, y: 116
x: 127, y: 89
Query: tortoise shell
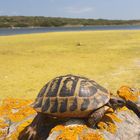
x: 71, y: 96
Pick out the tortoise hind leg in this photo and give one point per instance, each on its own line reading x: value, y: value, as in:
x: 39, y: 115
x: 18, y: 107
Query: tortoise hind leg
x: 39, y: 129
x: 96, y: 116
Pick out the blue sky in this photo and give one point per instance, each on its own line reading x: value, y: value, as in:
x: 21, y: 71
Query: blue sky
x: 107, y: 9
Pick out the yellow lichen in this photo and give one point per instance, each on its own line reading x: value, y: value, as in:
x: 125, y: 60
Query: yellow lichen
x: 122, y: 109
x: 126, y: 93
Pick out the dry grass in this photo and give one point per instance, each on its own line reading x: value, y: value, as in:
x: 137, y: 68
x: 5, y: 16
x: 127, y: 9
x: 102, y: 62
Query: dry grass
x: 27, y: 62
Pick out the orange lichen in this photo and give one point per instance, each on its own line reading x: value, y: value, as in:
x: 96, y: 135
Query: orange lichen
x: 3, y: 124
x: 110, y: 127
x: 92, y: 136
x: 71, y: 132
x: 15, y: 109
x: 23, y: 125
x: 128, y: 94
x: 15, y: 134
x: 113, y: 117
x: 58, y: 128
x: 110, y: 110
x: 108, y: 122
x: 21, y: 114
x: 3, y: 128
x: 3, y: 134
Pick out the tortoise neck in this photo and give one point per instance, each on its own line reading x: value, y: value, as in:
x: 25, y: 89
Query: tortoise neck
x: 116, y: 102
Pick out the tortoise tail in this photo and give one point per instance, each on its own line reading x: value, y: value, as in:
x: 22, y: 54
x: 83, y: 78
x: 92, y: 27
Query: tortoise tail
x: 131, y: 105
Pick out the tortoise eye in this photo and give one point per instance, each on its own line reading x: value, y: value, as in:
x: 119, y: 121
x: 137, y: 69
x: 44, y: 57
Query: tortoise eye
x: 132, y: 90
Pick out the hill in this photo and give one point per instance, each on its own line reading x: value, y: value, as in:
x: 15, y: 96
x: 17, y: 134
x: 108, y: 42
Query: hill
x: 38, y: 21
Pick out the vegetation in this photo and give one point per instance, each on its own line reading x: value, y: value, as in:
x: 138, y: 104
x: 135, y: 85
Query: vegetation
x: 112, y: 58
x: 22, y: 21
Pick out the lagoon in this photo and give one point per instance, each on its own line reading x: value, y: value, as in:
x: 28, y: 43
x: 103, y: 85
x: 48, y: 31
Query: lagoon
x: 14, y: 31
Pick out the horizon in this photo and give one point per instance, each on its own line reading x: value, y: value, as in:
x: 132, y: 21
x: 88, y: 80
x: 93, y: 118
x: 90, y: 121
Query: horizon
x: 110, y: 10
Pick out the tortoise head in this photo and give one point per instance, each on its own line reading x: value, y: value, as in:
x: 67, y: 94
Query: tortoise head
x: 116, y: 102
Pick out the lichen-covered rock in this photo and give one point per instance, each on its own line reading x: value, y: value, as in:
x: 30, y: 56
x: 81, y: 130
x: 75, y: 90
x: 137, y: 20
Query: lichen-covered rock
x: 128, y: 128
x: 13, y: 114
x: 16, y: 128
x: 132, y: 94
x: 74, y: 129
x: 132, y: 97
x: 3, y: 128
x: 18, y: 121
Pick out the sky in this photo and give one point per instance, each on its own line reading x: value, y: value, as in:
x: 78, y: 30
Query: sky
x: 105, y: 9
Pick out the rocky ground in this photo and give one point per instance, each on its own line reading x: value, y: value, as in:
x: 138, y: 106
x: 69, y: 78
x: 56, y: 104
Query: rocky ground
x: 19, y: 121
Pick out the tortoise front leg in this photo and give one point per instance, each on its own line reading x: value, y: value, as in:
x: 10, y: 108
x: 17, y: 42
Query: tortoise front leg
x: 97, y: 115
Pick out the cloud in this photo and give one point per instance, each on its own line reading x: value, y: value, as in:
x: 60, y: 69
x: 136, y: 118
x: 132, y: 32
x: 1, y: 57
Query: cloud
x: 2, y: 12
x: 11, y: 13
x: 78, y: 10
x: 14, y: 13
x: 52, y: 0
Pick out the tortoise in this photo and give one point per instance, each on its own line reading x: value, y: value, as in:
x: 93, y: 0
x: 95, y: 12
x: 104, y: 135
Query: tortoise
x: 72, y: 96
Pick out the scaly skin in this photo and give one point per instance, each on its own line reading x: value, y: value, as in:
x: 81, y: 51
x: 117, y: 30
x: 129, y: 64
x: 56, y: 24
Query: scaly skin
x: 97, y: 115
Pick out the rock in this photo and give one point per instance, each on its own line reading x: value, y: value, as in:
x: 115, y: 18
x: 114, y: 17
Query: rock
x: 128, y: 128
x: 15, y: 128
x: 15, y: 114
